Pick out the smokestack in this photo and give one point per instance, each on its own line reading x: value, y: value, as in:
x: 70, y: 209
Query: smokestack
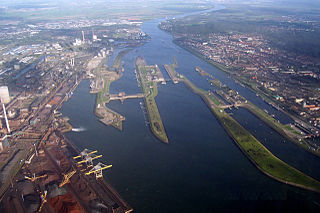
x: 5, y: 117
x: 82, y: 36
x: 72, y: 62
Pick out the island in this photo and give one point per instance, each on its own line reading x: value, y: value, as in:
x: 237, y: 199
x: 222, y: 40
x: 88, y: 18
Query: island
x: 148, y: 78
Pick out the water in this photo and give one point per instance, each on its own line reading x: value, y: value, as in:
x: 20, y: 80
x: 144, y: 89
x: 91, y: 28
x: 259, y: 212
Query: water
x: 201, y: 170
x: 112, y: 57
x: 278, y: 145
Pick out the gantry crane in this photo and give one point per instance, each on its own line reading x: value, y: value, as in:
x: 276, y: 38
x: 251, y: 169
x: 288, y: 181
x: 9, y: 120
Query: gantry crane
x: 87, y: 157
x: 97, y: 170
x: 66, y: 178
x: 34, y: 177
x: 43, y: 200
x: 88, y: 160
x: 85, y: 152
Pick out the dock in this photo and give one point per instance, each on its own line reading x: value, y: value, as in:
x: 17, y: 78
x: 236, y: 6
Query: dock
x: 42, y: 175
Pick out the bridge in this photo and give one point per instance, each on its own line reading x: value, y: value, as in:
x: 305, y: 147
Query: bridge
x: 123, y: 96
x: 230, y: 106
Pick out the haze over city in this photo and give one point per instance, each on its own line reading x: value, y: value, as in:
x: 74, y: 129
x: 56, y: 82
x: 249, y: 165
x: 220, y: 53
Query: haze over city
x: 159, y: 106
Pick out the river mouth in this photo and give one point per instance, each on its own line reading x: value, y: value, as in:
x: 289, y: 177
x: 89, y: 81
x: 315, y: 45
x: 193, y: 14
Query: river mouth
x: 201, y: 170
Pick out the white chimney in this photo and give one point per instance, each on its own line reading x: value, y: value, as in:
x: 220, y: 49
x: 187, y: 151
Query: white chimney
x: 5, y: 117
x: 4, y: 95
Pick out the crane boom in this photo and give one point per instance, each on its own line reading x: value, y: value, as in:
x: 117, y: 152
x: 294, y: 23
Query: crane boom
x: 96, y: 170
x: 35, y: 178
x: 43, y: 200
x: 90, y: 153
x: 66, y: 178
x: 93, y: 158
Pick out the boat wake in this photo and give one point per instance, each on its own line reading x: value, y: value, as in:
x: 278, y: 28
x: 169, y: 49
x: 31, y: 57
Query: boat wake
x: 80, y: 129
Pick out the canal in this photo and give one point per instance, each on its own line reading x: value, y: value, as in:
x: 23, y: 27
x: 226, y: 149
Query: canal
x: 201, y: 170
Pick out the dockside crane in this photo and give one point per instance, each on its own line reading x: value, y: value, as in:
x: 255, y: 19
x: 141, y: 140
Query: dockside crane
x: 97, y: 170
x: 43, y: 200
x: 85, y: 152
x: 66, y: 178
x: 87, y: 157
x: 34, y: 177
x: 89, y: 160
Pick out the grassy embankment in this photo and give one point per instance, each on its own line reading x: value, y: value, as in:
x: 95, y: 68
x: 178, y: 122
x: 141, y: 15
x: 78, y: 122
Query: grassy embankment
x: 150, y: 91
x: 272, y: 122
x: 286, y: 130
x: 102, y: 100
x: 191, y: 86
x: 258, y: 154
x: 262, y: 157
x: 117, y: 62
x: 102, y: 97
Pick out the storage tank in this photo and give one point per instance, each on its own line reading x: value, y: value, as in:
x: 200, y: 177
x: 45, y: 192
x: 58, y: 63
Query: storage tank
x: 4, y: 94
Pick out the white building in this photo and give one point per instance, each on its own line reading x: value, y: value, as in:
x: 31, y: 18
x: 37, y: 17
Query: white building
x: 77, y: 43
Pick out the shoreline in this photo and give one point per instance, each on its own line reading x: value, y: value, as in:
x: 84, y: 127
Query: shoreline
x: 150, y: 90
x: 260, y: 169
x: 256, y: 164
x: 166, y: 141
x: 103, y: 183
x: 49, y: 152
x: 254, y: 150
x: 101, y: 110
x: 280, y: 131
x: 225, y: 70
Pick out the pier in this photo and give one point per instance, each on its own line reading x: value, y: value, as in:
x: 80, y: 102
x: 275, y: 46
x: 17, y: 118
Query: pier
x: 171, y: 72
x: 148, y: 78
